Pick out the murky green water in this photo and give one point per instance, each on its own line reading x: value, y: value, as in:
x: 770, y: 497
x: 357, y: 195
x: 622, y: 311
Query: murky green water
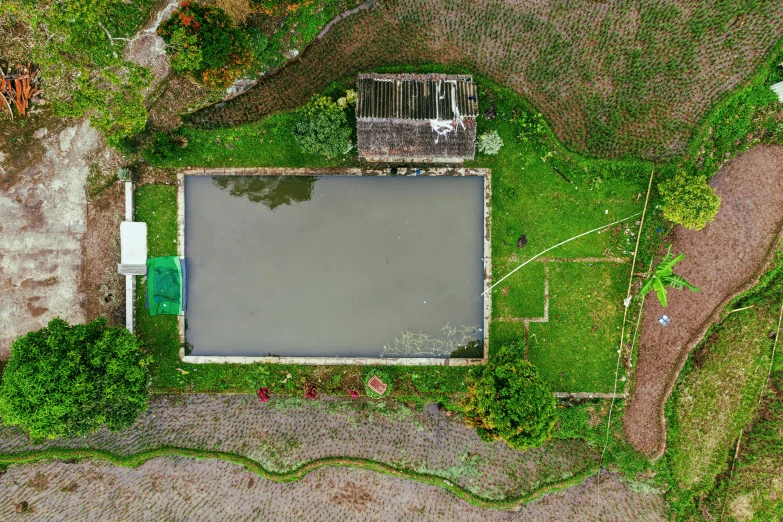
x: 333, y: 266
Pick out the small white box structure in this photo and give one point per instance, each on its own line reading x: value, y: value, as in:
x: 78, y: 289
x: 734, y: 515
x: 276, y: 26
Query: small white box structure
x: 133, y: 253
x: 778, y: 88
x: 133, y: 248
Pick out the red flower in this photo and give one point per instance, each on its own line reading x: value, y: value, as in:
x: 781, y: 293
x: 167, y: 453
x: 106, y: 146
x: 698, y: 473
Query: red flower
x: 354, y: 394
x: 311, y: 392
x: 263, y: 394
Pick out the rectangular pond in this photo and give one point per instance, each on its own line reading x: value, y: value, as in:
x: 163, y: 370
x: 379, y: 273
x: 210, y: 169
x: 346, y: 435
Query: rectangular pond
x: 334, y: 266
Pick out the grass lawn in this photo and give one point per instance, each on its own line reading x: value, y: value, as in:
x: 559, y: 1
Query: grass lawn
x: 521, y: 295
x: 576, y: 351
x: 265, y: 143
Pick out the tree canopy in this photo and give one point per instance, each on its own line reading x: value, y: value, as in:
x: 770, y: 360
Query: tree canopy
x: 689, y: 201
x: 508, y: 401
x: 69, y: 380
x: 323, y: 128
x: 205, y: 45
x: 270, y: 191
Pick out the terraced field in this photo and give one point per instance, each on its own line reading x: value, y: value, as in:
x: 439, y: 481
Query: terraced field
x: 284, y: 435
x: 190, y: 489
x: 612, y: 78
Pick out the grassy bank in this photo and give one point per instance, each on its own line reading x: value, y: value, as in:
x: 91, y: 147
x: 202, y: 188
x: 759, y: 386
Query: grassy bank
x: 716, y: 400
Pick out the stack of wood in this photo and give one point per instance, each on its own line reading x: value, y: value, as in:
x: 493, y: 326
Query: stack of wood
x: 19, y: 87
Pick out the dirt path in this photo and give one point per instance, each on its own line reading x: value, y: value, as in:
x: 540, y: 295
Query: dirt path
x: 723, y: 259
x: 190, y: 489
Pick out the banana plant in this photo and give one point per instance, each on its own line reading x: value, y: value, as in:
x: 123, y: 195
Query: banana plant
x: 664, y: 277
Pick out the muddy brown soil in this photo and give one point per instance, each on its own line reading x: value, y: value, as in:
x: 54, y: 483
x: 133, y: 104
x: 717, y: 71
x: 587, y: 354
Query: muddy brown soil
x: 102, y: 286
x: 723, y: 259
x: 205, y: 490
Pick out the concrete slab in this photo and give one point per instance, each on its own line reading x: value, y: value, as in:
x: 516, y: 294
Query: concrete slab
x: 42, y: 221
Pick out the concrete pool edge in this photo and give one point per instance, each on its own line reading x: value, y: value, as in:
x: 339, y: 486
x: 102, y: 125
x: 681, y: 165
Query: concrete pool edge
x: 485, y: 174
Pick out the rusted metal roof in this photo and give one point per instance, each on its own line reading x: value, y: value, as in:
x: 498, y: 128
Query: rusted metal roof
x: 416, y: 96
x: 414, y: 140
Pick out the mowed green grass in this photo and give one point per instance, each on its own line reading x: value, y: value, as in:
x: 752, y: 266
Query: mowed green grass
x: 264, y: 143
x: 156, y: 205
x: 521, y: 295
x: 576, y: 351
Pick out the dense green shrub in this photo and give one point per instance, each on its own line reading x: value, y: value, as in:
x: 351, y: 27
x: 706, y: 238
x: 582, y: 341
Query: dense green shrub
x: 163, y: 147
x: 205, y: 45
x: 115, y: 103
x: 490, y: 143
x: 79, y: 47
x: 383, y: 376
x: 69, y: 380
x: 323, y: 128
x: 508, y: 401
x: 688, y: 201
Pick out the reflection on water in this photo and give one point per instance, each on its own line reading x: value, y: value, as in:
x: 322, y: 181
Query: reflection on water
x: 270, y: 191
x: 419, y: 344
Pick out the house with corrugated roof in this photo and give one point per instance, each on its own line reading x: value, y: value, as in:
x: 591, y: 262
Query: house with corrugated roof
x: 423, y: 118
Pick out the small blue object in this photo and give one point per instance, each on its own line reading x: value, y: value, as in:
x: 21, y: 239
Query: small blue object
x: 664, y: 320
x: 418, y: 171
x: 659, y: 230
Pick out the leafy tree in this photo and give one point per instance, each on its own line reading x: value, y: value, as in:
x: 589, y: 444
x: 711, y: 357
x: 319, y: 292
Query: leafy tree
x: 271, y: 191
x: 689, y: 201
x: 323, y: 128
x: 664, y: 277
x: 79, y: 46
x: 205, y: 45
x: 69, y: 380
x: 508, y: 401
x: 490, y: 143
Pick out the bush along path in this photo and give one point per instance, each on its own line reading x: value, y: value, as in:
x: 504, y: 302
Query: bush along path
x: 284, y: 439
x: 724, y: 259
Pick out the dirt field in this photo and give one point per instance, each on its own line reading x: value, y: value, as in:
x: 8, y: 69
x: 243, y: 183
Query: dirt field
x: 282, y: 435
x: 723, y: 259
x: 180, y: 489
x: 44, y: 217
x: 59, y: 249
x: 612, y: 78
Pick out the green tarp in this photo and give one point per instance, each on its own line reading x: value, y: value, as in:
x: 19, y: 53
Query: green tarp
x: 164, y: 285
